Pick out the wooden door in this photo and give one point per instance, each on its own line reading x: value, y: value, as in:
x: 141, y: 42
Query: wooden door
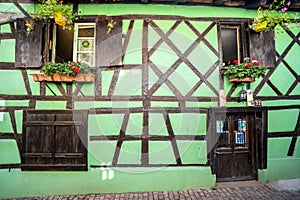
x: 233, y: 150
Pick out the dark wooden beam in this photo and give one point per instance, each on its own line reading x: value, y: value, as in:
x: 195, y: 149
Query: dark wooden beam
x: 20, y: 8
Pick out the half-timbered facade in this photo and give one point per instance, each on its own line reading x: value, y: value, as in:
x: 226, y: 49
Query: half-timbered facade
x: 159, y: 114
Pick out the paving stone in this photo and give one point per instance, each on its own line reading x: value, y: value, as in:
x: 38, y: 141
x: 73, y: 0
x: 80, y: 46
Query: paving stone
x: 235, y: 191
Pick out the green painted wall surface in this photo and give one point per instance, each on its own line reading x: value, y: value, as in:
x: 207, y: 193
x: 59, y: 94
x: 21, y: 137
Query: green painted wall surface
x: 106, y: 180
x: 193, y: 152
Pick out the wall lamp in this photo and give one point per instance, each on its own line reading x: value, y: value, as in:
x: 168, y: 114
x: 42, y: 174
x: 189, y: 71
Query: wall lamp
x: 243, y: 95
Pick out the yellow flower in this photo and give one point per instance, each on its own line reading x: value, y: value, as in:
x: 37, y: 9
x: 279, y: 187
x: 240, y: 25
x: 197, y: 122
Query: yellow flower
x: 110, y: 25
x: 60, y: 19
x: 29, y: 26
x: 261, y: 26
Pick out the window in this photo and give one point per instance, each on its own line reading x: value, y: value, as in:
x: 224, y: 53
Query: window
x: 84, y: 43
x: 54, y: 140
x: 77, y: 44
x: 231, y: 43
x: 87, y: 41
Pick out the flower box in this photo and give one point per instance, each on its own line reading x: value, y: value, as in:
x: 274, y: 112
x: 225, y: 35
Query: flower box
x: 241, y: 80
x: 63, y: 78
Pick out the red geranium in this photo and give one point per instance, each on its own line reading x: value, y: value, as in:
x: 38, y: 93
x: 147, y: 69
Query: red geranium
x: 76, y: 70
x: 236, y: 62
x: 248, y: 65
x: 255, y: 62
x: 249, y: 68
x: 247, y: 59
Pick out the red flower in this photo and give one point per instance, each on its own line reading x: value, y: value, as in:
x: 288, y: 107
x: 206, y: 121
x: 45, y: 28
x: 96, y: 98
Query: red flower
x: 255, y: 62
x: 76, y: 70
x: 236, y: 62
x: 248, y: 65
x: 228, y: 62
x: 247, y: 59
x: 71, y: 66
x: 253, y: 58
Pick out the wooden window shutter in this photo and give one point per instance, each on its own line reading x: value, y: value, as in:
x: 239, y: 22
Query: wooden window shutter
x: 54, y: 140
x: 108, y: 41
x: 29, y: 43
x: 262, y: 47
x: 261, y: 124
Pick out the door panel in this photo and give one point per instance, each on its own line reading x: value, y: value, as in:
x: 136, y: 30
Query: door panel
x: 242, y: 164
x: 224, y: 159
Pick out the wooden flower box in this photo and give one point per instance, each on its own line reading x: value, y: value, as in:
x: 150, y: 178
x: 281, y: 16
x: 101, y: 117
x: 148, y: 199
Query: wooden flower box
x: 241, y: 80
x: 63, y: 78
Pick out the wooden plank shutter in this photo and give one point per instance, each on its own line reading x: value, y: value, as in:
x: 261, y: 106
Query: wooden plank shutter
x: 29, y: 43
x: 54, y: 140
x: 262, y: 47
x: 261, y: 139
x: 108, y: 41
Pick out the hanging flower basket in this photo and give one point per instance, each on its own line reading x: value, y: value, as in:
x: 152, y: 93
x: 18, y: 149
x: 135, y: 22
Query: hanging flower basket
x: 241, y: 80
x: 63, y: 78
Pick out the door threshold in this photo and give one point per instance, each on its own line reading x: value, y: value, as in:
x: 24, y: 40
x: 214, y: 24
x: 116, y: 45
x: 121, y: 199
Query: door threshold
x: 235, y: 184
x: 231, y: 179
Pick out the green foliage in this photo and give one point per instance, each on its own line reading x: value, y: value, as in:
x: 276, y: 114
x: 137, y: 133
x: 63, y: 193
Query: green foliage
x: 250, y: 68
x: 275, y: 15
x: 62, y: 14
x: 69, y: 68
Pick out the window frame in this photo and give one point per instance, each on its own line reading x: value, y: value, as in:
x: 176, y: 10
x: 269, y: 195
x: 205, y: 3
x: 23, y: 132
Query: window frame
x: 76, y: 38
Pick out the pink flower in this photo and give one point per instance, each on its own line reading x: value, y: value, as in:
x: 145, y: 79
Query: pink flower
x: 247, y: 59
x: 288, y: 3
x: 283, y: 9
x: 65, y: 19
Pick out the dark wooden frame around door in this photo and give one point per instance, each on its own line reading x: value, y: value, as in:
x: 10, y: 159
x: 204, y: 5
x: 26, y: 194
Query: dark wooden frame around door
x: 229, y: 159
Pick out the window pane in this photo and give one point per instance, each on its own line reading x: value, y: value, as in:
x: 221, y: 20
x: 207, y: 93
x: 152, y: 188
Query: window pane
x: 230, y: 36
x: 86, y: 57
x: 86, y: 31
x: 240, y: 130
x: 223, y: 133
x: 85, y: 45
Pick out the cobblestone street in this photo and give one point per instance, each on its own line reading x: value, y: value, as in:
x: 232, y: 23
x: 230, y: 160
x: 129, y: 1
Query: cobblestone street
x: 237, y: 190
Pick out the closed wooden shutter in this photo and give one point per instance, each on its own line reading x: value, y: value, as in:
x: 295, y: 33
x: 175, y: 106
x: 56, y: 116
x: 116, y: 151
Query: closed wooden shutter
x: 261, y: 138
x: 29, y: 43
x: 54, y: 140
x: 108, y: 41
x: 262, y: 47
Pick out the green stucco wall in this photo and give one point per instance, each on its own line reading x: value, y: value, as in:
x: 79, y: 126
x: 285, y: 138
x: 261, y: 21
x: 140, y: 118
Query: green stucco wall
x: 15, y: 183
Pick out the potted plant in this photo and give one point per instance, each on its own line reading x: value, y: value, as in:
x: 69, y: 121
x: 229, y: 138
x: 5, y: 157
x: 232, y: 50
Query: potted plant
x: 244, y: 72
x: 275, y: 15
x: 65, y: 72
x: 54, y: 9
